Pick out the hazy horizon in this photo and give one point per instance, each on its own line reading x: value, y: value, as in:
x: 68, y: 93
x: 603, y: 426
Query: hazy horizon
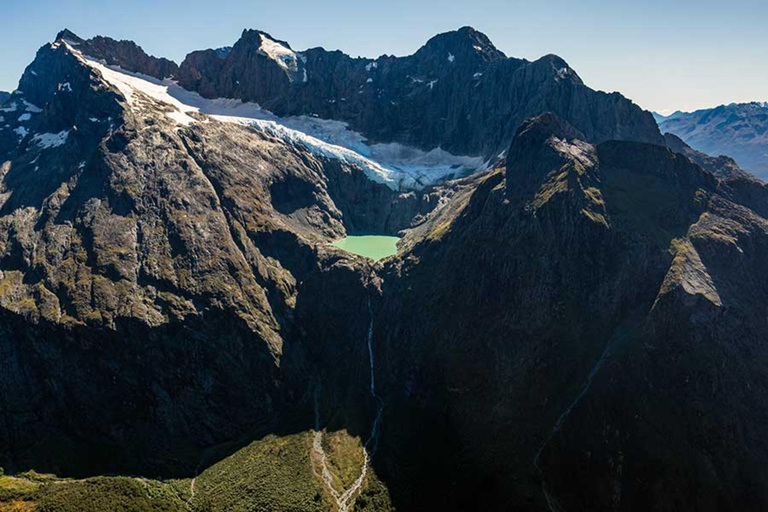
x: 685, y: 57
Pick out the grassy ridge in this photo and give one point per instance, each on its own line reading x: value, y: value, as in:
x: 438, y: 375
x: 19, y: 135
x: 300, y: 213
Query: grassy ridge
x: 272, y: 473
x: 46, y: 493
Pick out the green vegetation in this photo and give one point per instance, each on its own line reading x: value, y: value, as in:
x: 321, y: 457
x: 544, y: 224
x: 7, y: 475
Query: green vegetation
x: 375, y: 247
x: 46, y: 493
x: 345, y: 457
x: 273, y: 473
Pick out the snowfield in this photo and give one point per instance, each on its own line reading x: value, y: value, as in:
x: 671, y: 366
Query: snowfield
x: 394, y: 165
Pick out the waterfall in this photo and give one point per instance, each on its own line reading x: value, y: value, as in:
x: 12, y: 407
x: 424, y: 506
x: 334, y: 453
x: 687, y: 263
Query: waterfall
x: 373, y: 439
x: 344, y: 500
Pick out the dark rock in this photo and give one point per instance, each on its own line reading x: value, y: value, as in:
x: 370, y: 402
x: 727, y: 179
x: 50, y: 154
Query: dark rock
x: 125, y: 54
x: 571, y: 352
x: 457, y: 92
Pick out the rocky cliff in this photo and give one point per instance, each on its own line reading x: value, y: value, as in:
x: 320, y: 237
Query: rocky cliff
x: 457, y: 92
x: 125, y: 54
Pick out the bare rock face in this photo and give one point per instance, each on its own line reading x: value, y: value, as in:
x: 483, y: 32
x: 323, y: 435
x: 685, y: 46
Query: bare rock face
x: 4, y: 96
x: 458, y: 92
x: 125, y: 54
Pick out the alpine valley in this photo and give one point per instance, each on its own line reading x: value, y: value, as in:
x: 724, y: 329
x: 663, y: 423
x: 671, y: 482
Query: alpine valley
x: 575, y: 318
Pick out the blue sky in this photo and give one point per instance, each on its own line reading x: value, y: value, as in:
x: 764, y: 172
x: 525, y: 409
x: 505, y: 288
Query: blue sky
x: 665, y: 55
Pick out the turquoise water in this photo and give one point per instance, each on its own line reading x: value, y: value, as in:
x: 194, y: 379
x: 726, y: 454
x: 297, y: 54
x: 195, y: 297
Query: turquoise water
x: 375, y: 247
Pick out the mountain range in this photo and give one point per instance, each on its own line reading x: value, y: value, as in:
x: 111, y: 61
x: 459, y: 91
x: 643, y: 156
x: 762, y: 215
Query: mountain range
x: 739, y: 130
x: 574, y: 319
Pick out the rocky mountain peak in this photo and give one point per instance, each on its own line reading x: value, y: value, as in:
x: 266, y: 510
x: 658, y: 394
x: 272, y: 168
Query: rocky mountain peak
x: 125, y: 54
x: 69, y: 36
x: 223, y: 51
x: 461, y: 46
x: 543, y: 145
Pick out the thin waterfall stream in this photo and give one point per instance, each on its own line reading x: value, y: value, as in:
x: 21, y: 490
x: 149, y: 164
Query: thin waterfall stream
x: 344, y: 499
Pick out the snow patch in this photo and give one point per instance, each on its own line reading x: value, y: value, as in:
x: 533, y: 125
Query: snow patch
x: 65, y: 87
x: 432, y: 83
x: 21, y: 132
x: 369, y: 81
x: 25, y: 117
x: 31, y: 108
x: 477, y: 75
x: 51, y: 140
x: 284, y: 57
x: 371, y: 65
x: 451, y: 57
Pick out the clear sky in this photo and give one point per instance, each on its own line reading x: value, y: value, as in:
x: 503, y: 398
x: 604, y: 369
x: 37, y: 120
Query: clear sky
x: 665, y: 55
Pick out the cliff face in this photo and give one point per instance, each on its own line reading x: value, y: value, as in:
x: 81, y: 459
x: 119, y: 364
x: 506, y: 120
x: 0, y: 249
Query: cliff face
x: 125, y: 54
x: 458, y: 92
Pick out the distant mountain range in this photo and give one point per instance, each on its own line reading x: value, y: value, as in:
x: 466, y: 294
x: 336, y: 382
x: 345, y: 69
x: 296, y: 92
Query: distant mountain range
x: 739, y: 130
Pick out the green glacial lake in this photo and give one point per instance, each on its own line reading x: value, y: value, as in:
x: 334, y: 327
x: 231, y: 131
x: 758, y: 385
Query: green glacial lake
x: 375, y: 247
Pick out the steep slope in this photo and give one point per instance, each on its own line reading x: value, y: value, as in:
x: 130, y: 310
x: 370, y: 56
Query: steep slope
x: 458, y: 92
x: 134, y: 239
x: 739, y: 130
x: 4, y: 96
x: 586, y: 346
x: 125, y: 54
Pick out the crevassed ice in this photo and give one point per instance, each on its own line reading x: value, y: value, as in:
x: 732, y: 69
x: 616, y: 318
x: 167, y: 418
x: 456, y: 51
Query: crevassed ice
x: 394, y: 165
